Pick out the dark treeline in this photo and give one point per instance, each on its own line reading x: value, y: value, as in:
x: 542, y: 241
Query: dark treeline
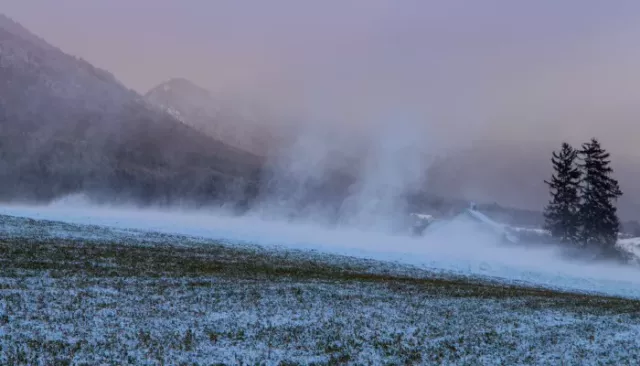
x: 582, y: 211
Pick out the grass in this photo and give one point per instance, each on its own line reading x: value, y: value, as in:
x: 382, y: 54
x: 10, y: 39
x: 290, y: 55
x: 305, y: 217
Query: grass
x: 103, y: 297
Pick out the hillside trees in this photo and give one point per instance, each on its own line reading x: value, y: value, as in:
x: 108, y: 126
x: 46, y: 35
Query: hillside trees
x: 599, y: 191
x: 561, y: 214
x: 583, y: 194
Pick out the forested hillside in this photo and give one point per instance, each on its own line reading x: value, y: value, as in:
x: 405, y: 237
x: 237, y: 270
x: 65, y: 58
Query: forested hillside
x: 66, y: 126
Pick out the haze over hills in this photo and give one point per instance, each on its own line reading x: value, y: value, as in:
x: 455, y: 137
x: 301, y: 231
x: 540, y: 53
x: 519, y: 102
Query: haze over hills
x: 236, y: 124
x: 67, y: 126
x: 488, y: 171
x: 500, y: 172
x: 80, y: 129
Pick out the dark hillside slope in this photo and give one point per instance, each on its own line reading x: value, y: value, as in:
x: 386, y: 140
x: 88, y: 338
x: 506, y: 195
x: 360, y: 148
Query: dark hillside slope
x: 66, y: 126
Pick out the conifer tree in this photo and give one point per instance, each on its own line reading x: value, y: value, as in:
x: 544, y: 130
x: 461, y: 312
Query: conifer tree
x: 561, y: 214
x: 598, y: 214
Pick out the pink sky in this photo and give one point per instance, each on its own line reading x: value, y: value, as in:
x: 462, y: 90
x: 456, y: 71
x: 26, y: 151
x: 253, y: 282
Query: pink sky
x: 542, y: 70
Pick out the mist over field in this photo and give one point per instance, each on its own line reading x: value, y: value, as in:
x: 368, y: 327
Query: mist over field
x: 350, y: 124
x: 458, y: 246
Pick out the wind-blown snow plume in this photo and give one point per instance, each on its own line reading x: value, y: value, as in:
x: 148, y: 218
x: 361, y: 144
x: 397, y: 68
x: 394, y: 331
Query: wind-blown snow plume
x: 376, y: 170
x: 295, y: 175
x: 394, y: 167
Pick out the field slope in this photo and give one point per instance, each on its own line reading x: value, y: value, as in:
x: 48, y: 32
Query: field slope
x: 79, y: 294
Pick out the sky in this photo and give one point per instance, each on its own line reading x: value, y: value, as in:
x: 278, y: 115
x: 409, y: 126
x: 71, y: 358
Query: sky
x: 493, y: 70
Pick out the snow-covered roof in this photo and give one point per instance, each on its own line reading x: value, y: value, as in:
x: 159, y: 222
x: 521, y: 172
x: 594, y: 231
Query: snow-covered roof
x: 485, y: 221
x: 423, y: 216
x: 479, y: 216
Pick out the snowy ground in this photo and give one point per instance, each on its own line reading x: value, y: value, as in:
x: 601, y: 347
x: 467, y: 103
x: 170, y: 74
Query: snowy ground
x: 78, y: 294
x: 455, y: 248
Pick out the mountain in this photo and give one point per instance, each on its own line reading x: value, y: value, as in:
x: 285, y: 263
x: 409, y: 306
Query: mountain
x: 67, y: 126
x: 220, y: 117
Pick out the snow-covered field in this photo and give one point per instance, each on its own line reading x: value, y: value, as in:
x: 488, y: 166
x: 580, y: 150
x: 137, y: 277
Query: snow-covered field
x: 455, y: 248
x: 142, y: 291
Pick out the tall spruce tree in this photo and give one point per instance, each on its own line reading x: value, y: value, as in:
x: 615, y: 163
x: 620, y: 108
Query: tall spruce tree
x: 561, y: 214
x: 598, y: 214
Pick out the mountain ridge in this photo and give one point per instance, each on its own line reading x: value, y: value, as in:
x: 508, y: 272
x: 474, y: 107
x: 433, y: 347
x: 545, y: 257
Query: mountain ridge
x: 67, y: 126
x: 234, y: 122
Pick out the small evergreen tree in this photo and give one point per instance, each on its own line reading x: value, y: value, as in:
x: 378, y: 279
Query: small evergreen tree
x: 561, y: 214
x: 598, y: 214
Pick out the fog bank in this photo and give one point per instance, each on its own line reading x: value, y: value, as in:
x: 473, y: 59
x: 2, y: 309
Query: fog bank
x: 457, y: 247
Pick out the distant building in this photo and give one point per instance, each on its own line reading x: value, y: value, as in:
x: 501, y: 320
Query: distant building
x: 472, y: 218
x: 420, y: 222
